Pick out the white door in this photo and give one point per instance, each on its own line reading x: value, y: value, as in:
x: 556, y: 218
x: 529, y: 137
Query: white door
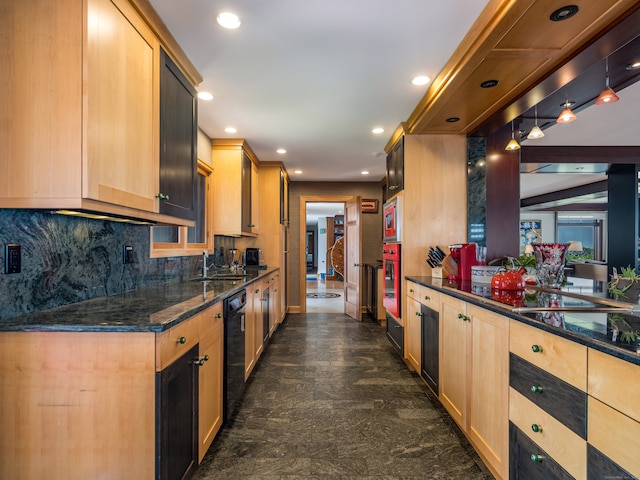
x: 352, y: 249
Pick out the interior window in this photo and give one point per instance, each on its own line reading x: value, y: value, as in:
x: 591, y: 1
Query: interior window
x: 167, y: 241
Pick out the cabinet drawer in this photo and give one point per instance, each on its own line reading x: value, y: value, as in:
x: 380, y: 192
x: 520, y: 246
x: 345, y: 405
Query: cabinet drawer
x: 560, y: 357
x: 210, y: 319
x: 600, y: 466
x: 173, y: 343
x: 522, y: 465
x: 615, y: 435
x: 615, y: 382
x: 561, y: 400
x: 567, y: 448
x: 424, y: 295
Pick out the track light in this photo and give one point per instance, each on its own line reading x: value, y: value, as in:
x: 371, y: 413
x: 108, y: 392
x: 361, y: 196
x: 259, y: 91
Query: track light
x: 566, y: 115
x: 607, y: 95
x: 536, y: 132
x: 513, y: 143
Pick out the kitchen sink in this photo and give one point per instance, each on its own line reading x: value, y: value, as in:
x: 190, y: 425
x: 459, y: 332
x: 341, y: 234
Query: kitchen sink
x: 221, y: 276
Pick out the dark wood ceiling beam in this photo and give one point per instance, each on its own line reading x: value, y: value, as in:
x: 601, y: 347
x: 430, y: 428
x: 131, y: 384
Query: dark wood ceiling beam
x: 579, y: 154
x: 594, y: 190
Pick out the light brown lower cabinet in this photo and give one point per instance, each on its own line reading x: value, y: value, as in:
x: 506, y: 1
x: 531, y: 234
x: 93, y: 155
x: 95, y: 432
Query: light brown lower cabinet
x: 79, y: 405
x: 474, y: 379
x: 210, y: 375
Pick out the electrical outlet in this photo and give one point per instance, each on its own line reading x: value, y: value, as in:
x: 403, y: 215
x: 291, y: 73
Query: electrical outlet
x: 12, y: 258
x: 128, y: 254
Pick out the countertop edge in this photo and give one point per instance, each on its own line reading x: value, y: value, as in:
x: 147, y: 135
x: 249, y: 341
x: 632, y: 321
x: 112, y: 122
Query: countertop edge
x: 503, y: 310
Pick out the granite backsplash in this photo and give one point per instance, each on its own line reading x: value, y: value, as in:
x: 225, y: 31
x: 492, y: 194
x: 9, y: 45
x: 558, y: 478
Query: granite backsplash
x: 69, y: 259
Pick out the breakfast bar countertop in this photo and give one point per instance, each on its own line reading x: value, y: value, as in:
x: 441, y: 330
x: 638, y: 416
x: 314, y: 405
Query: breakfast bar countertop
x: 149, y: 309
x: 575, y: 311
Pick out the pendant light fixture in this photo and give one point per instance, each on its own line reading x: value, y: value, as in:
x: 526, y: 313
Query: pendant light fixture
x: 607, y: 95
x: 536, y: 132
x: 513, y: 143
x: 566, y: 115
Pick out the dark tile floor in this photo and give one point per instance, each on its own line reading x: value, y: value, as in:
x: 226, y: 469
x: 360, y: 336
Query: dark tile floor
x: 330, y: 399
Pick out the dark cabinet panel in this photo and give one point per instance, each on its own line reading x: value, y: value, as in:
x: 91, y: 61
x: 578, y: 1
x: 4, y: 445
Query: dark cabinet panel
x: 178, y: 141
x: 395, y: 333
x: 430, y: 363
x: 600, y: 466
x: 564, y: 402
x: 177, y: 418
x: 395, y: 169
x: 527, y: 461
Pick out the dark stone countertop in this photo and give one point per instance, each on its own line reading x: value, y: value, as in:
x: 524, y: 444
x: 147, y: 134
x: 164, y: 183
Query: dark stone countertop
x: 598, y: 330
x: 150, y: 309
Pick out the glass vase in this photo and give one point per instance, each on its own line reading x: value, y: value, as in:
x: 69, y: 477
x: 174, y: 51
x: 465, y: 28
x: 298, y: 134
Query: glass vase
x: 550, y: 262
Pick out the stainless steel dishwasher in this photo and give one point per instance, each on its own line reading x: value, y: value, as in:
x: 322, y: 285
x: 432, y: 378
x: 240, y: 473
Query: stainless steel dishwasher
x: 234, y: 346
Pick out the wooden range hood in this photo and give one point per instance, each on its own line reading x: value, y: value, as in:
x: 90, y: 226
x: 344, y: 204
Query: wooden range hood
x: 529, y: 55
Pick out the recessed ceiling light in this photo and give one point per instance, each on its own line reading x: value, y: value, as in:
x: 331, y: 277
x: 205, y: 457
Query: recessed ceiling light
x: 378, y: 130
x: 297, y: 172
x: 228, y: 20
x: 364, y: 172
x: 231, y: 130
x: 205, y: 96
x: 420, y: 80
x: 452, y: 119
x: 281, y: 151
x: 377, y: 154
x: 634, y: 65
x: 564, y: 13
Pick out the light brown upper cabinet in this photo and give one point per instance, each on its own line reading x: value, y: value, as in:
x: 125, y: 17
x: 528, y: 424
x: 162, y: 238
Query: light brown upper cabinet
x: 82, y: 107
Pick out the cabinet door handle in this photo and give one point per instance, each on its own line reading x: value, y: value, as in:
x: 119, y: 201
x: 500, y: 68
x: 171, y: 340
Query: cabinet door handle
x: 537, y: 458
x: 536, y: 389
x: 536, y: 428
x: 200, y: 361
x: 427, y: 297
x: 411, y: 290
x: 162, y: 196
x: 462, y: 317
x: 218, y: 315
x: 181, y: 340
x: 536, y: 348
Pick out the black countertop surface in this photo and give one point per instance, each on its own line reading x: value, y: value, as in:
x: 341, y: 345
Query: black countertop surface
x: 576, y: 311
x: 149, y: 309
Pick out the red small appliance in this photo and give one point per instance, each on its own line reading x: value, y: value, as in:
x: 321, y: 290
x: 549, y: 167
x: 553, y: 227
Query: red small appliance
x: 391, y: 264
x: 392, y: 211
x: 465, y: 255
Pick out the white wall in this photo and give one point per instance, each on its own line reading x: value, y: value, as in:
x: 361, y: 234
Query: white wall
x: 322, y: 245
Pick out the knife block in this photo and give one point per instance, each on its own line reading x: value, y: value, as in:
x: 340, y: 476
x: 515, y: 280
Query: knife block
x: 449, y: 267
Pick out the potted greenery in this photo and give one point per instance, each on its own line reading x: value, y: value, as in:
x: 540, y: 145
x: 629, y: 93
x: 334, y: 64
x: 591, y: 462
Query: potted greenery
x: 625, y: 285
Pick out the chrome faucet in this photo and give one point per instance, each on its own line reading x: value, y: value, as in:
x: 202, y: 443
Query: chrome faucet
x: 205, y: 255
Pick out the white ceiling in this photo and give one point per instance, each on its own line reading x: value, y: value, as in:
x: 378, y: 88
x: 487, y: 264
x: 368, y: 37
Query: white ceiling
x: 316, y: 76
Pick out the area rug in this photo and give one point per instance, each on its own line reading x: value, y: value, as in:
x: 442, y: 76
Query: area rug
x: 322, y: 295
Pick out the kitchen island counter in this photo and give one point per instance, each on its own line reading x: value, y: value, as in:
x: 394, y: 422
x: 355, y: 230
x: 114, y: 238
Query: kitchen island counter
x: 599, y: 330
x: 149, y: 309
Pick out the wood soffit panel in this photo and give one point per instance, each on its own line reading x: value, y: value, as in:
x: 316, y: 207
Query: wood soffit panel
x: 517, y: 44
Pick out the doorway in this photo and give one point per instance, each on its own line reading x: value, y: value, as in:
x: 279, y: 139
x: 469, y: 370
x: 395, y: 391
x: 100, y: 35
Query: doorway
x: 323, y: 286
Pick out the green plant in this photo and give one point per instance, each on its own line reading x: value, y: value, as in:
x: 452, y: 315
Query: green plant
x: 622, y: 329
x: 525, y: 261
x: 622, y: 282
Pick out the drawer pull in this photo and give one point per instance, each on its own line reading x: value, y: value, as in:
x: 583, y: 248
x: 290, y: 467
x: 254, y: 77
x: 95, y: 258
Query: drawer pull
x: 427, y: 297
x: 536, y: 428
x: 462, y: 317
x: 411, y: 290
x: 536, y: 348
x: 536, y: 458
x: 536, y: 388
x: 181, y: 340
x: 218, y: 315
